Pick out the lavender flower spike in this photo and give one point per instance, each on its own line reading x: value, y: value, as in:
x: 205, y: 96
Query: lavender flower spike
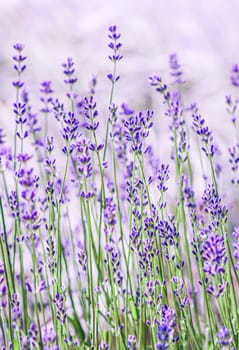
x: 235, y: 75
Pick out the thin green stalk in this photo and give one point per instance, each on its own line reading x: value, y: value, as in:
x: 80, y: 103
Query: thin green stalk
x: 6, y: 253
x: 59, y: 245
x: 35, y: 287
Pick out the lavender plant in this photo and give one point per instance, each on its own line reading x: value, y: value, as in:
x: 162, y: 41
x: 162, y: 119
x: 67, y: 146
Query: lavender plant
x: 97, y: 250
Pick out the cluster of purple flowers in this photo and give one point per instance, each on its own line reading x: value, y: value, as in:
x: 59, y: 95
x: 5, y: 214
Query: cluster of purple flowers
x: 102, y: 253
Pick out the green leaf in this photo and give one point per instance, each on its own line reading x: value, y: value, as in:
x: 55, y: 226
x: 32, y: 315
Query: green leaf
x: 210, y: 347
x: 134, y: 311
x: 16, y: 344
x: 77, y: 326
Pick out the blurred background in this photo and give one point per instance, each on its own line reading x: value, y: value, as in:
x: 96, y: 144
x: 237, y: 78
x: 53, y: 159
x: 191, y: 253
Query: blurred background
x: 203, y: 33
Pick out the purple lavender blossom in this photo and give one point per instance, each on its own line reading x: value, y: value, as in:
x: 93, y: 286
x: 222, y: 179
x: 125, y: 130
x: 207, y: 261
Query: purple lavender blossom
x: 234, y: 161
x: 110, y: 216
x: 235, y: 75
x: 92, y: 84
x: 175, y: 68
x: 69, y: 70
x: 206, y: 135
x: 163, y: 177
x: 132, y: 342
x: 15, y: 311
x: 225, y: 339
x: 2, y: 136
x: 91, y: 114
x: 180, y: 292
x: 159, y: 86
x: 214, y: 255
x: 125, y: 110
x: 103, y: 346
x: 19, y: 66
x: 30, y: 340
x: 51, y: 254
x: 168, y: 232
x: 14, y: 205
x: 20, y: 118
x: 48, y: 337
x: 167, y: 328
x: 70, y: 132
x: 232, y: 107
x: 136, y: 129
x: 213, y: 206
x: 82, y: 259
x: 235, y: 235
x: 60, y: 308
x: 46, y: 97
x: 114, y: 45
x: 83, y: 157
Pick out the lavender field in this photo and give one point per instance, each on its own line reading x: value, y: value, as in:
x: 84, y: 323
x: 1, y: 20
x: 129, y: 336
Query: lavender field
x: 119, y: 175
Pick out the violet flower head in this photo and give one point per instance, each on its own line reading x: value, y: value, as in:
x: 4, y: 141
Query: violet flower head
x: 214, y: 255
x: 15, y: 310
x: 156, y: 82
x: 19, y: 58
x: 83, y: 158
x: 51, y: 253
x: 167, y: 328
x: 48, y: 337
x: 92, y: 84
x: 19, y: 65
x: 168, y: 232
x: 103, y: 346
x: 110, y: 215
x: 91, y: 114
x: 132, y: 342
x: 58, y: 109
x: 2, y: 136
x: 136, y: 129
x: 235, y: 235
x: 60, y: 308
x: 225, y: 339
x: 163, y: 177
x: 46, y: 97
x: 175, y: 68
x: 21, y: 119
x: 213, y: 206
x: 234, y: 161
x: 205, y: 134
x: 82, y: 259
x: 49, y: 144
x: 125, y: 110
x: 232, y: 107
x: 18, y: 47
x: 14, y: 205
x: 235, y: 75
x: 188, y: 192
x: 120, y: 143
x: 30, y: 340
x: 69, y: 70
x: 70, y: 132
x: 180, y: 292
x: 115, y: 46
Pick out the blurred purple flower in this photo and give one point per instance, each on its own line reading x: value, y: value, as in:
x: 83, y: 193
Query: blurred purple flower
x: 225, y: 339
x: 235, y: 75
x: 175, y: 68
